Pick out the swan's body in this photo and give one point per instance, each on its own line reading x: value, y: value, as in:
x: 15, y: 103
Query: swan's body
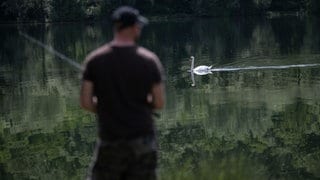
x: 200, y: 70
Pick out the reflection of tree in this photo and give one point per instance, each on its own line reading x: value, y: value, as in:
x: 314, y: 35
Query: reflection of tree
x: 295, y: 129
x: 63, y: 153
x: 288, y: 149
x: 312, y: 37
x: 289, y: 34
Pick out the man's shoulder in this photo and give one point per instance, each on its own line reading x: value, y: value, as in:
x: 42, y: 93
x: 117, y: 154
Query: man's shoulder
x: 147, y: 53
x: 151, y: 57
x: 101, y: 51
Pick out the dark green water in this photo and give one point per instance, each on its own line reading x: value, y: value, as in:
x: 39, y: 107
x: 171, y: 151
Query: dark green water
x: 249, y: 124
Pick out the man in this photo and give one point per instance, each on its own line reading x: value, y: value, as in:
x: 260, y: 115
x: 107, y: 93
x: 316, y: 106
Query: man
x: 123, y: 83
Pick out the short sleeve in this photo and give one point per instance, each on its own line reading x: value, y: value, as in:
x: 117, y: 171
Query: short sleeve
x: 157, y: 72
x: 88, y: 71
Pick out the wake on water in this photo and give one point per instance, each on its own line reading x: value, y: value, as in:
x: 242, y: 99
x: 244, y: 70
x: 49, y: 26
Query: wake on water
x: 263, y: 67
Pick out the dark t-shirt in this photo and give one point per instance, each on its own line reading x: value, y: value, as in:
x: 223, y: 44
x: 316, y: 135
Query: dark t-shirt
x: 122, y: 79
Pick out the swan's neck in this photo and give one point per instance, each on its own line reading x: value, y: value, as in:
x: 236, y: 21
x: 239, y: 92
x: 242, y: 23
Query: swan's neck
x: 192, y: 63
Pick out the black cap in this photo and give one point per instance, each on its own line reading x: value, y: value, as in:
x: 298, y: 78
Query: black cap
x: 127, y: 16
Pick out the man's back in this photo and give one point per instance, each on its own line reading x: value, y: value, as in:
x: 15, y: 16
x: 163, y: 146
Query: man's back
x: 123, y: 78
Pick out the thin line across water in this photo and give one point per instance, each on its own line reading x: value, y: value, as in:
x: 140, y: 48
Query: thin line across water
x: 53, y: 51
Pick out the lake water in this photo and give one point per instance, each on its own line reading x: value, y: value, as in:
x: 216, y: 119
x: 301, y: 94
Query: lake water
x: 245, y: 124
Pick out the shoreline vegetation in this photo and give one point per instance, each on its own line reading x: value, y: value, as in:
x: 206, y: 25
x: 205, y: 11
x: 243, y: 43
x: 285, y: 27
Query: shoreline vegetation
x: 50, y: 11
x: 157, y: 18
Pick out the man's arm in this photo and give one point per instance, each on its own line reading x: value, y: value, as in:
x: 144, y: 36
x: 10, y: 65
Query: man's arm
x: 87, y: 101
x: 158, y: 95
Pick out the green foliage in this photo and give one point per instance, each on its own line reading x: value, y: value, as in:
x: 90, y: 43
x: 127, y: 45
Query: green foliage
x: 23, y: 10
x: 71, y: 10
x: 62, y: 10
x: 313, y: 6
x: 288, y: 5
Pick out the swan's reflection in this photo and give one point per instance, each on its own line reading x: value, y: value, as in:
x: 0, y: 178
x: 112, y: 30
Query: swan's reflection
x: 194, y: 73
x: 192, y: 78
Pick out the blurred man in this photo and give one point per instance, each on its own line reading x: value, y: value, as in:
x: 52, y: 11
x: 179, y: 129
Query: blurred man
x: 123, y: 83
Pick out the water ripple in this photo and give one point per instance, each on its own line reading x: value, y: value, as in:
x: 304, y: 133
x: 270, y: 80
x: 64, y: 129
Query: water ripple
x: 263, y: 67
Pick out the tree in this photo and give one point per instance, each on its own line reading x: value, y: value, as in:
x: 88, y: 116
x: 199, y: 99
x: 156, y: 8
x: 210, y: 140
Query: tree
x: 24, y: 10
x: 70, y: 10
x: 313, y: 6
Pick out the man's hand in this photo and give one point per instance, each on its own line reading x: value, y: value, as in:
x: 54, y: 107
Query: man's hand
x: 87, y: 99
x: 158, y: 96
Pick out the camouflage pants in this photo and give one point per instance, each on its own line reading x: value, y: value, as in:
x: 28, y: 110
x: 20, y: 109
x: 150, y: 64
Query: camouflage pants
x: 125, y: 160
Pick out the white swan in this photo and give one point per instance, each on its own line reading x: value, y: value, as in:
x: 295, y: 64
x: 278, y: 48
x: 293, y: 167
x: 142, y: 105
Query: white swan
x: 200, y: 70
